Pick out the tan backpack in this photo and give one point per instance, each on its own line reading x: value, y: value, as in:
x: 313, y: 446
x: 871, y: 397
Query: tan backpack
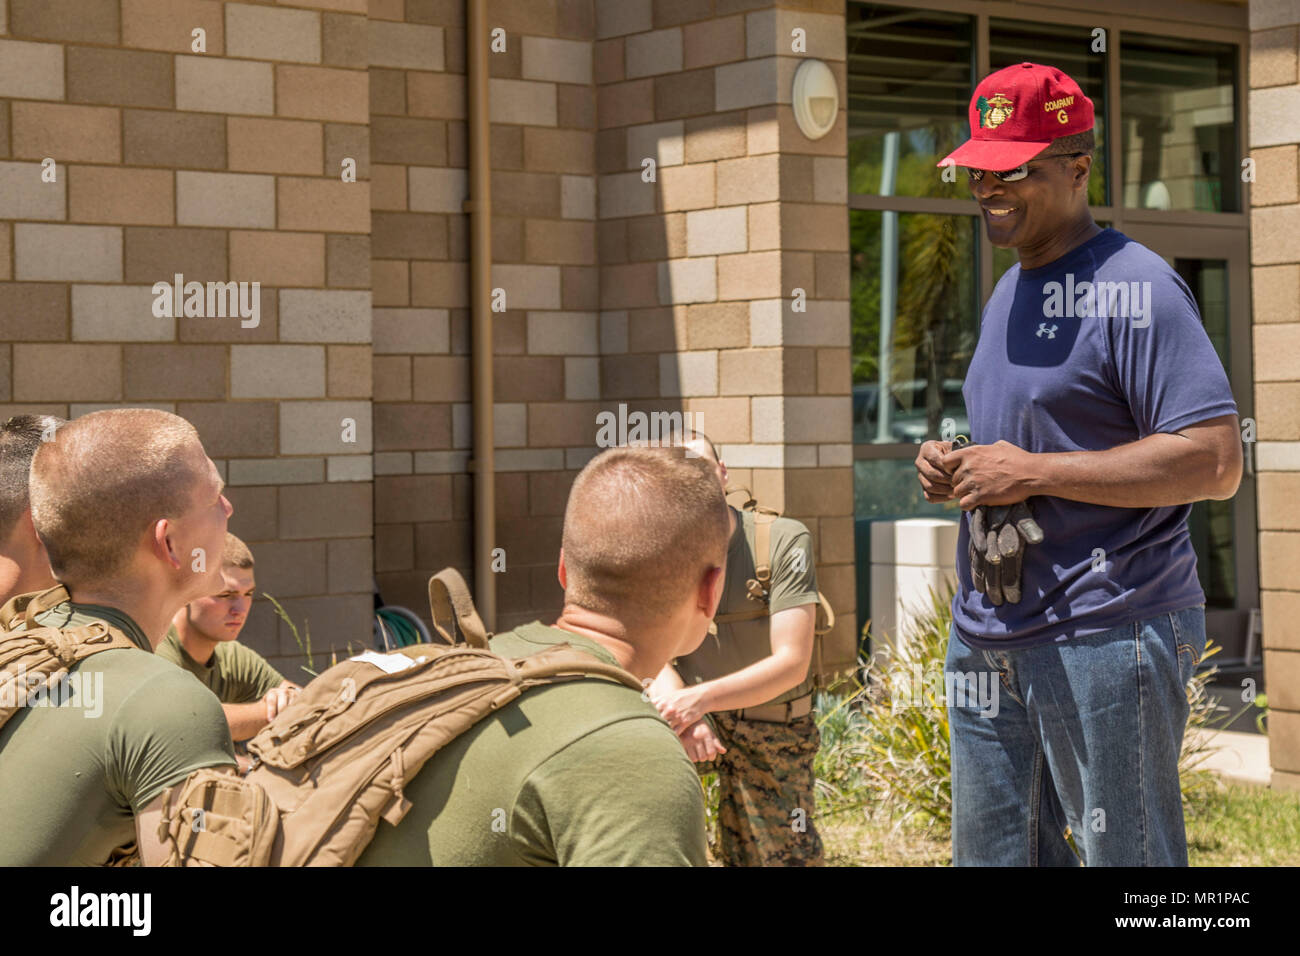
x: 760, y: 587
x: 48, y: 652
x: 336, y: 760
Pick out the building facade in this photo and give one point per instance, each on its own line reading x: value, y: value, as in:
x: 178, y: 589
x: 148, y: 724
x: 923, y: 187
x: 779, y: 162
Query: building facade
x: 664, y: 238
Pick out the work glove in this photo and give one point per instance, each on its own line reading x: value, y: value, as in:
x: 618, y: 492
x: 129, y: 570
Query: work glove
x: 998, y: 536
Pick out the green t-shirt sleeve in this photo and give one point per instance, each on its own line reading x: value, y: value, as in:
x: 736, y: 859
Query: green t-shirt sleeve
x: 169, y: 650
x: 623, y: 795
x: 794, y: 577
x: 169, y: 726
x: 248, y: 676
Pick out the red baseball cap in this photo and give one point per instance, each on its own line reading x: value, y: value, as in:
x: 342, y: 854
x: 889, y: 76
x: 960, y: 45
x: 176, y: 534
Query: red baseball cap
x: 1016, y: 113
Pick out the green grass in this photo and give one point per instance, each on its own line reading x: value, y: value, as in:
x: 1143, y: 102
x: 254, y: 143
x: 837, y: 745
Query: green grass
x: 1234, y: 824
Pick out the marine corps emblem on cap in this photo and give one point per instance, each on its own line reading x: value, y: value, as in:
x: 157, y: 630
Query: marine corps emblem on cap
x: 994, y: 111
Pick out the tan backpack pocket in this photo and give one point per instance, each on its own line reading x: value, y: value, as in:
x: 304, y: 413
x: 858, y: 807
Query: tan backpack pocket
x: 216, y: 818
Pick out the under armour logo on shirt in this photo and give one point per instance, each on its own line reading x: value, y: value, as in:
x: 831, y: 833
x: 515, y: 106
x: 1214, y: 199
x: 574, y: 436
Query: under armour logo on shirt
x: 1044, y: 330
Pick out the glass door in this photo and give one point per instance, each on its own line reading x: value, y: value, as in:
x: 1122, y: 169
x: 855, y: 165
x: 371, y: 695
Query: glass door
x: 1214, y: 264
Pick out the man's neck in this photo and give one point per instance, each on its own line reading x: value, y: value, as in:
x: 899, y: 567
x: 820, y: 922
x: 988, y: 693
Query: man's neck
x: 198, y: 646
x: 1059, y: 244
x: 630, y: 647
x: 23, y: 568
x: 150, y: 608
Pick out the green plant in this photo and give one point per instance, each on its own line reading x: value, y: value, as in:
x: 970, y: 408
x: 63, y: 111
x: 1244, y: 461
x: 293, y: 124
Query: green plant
x: 303, y: 641
x: 885, y: 744
x: 884, y: 758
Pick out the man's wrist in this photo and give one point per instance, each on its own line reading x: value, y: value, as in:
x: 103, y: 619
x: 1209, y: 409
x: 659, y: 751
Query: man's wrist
x: 1040, y: 475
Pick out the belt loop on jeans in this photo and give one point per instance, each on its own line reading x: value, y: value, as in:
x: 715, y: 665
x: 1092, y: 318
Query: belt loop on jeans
x: 783, y: 713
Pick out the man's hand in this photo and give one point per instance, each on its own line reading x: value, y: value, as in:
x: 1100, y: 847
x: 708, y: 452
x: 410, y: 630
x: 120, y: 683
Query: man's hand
x: 681, y: 708
x: 279, y: 698
x: 996, y: 474
x: 701, y: 743
x: 935, y: 480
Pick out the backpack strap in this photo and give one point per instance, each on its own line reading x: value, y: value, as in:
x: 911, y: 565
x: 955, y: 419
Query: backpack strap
x: 11, y: 615
x: 449, y: 598
x: 566, y: 661
x: 763, y: 552
x: 48, y: 653
x: 28, y: 606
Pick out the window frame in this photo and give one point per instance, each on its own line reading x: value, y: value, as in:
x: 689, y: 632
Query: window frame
x: 1213, y: 23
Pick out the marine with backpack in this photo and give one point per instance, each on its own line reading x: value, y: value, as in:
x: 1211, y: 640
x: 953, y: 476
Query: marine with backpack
x: 343, y: 756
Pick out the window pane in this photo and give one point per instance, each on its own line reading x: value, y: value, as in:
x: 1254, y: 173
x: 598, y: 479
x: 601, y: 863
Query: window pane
x: 1180, y: 140
x: 887, y: 488
x: 1069, y: 49
x: 910, y: 81
x: 1210, y: 524
x: 914, y: 285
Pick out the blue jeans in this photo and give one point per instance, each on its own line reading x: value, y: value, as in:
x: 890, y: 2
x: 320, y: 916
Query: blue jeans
x: 1084, y: 733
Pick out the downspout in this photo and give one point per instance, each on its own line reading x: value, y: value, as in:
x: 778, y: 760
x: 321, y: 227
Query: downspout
x: 479, y: 207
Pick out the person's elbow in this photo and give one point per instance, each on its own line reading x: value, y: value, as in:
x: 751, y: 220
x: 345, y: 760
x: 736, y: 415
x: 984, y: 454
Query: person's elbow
x: 1226, y: 469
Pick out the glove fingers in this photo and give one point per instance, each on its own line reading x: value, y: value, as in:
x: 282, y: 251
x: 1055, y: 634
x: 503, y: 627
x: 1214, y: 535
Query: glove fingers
x: 991, y: 553
x: 1009, y: 541
x: 1024, y: 521
x: 1010, y: 576
x: 993, y: 580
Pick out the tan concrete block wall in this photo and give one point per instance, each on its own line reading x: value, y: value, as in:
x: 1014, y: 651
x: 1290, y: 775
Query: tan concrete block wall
x: 545, y: 259
x: 1275, y: 218
x: 745, y: 211
x: 221, y: 166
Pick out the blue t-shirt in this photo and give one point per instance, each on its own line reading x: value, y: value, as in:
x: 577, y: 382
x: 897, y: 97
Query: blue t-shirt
x: 1065, y: 364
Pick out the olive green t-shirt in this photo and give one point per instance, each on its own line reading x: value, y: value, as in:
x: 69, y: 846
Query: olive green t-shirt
x: 237, y: 674
x: 75, y: 775
x: 741, y: 643
x: 581, y: 773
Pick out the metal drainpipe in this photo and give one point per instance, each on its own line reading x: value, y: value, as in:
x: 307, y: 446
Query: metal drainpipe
x: 479, y: 207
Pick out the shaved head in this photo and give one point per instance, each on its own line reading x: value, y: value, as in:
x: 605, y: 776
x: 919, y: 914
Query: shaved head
x: 98, y: 488
x: 642, y: 528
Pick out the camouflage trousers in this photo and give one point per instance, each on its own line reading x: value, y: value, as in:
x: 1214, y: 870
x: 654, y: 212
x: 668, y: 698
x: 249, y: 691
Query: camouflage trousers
x: 765, y: 792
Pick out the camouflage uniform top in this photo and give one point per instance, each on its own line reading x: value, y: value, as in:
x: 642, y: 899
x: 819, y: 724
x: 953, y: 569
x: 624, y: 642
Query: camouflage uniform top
x: 794, y: 584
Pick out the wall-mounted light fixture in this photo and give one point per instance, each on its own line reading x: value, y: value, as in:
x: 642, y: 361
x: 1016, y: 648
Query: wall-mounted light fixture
x: 816, y: 98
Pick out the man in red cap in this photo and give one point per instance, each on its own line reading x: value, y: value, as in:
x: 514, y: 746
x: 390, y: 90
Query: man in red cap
x: 1099, y: 411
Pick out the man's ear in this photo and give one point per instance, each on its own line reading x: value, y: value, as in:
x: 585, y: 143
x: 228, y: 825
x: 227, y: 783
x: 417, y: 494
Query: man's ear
x: 561, y: 573
x: 1082, y: 170
x: 162, y: 544
x: 710, y: 591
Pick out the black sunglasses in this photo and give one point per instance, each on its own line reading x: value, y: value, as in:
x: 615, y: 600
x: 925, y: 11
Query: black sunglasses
x: 1021, y: 171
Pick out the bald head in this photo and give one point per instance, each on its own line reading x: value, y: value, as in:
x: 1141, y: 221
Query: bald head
x: 642, y: 528
x: 98, y: 488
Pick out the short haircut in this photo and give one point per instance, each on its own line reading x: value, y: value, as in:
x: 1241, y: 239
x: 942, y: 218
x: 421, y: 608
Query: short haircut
x: 236, y: 554
x: 1084, y: 142
x: 20, y: 436
x: 103, y: 482
x: 642, y: 526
